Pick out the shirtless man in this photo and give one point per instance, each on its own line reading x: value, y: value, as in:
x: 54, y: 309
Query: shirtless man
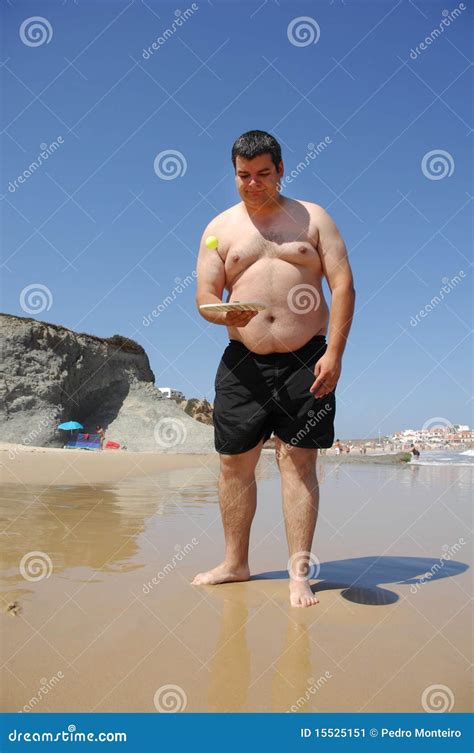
x: 277, y: 373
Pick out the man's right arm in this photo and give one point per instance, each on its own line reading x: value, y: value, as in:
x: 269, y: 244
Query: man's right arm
x: 211, y: 283
x: 210, y: 278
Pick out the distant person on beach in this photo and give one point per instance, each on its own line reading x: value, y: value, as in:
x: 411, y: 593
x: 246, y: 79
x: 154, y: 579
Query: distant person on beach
x: 416, y: 453
x: 277, y: 374
x: 101, y: 434
x: 338, y: 447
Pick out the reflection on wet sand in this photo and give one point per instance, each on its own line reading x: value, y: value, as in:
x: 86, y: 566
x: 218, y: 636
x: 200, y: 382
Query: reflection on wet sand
x: 116, y: 615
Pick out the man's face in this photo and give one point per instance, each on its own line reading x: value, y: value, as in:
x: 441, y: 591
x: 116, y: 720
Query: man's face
x: 257, y: 180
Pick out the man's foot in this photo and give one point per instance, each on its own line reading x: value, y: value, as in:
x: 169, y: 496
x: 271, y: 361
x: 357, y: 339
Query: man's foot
x: 301, y: 594
x: 222, y: 574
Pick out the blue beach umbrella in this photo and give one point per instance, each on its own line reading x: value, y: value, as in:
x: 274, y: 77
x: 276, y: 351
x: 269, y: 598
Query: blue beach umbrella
x: 70, y: 425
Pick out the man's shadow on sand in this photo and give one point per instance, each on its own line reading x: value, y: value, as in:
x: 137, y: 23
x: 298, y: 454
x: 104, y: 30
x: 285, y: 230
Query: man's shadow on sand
x: 359, y: 578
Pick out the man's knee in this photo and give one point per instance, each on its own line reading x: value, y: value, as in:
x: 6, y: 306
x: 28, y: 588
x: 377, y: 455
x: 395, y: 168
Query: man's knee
x: 296, y: 460
x: 242, y: 464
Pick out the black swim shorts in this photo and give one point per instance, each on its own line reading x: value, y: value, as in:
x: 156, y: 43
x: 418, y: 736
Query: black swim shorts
x: 257, y: 395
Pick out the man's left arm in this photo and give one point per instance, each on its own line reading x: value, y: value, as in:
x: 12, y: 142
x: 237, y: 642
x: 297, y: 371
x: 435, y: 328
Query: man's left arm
x: 338, y: 273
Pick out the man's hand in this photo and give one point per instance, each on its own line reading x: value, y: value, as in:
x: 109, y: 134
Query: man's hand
x: 239, y: 318
x: 327, y: 372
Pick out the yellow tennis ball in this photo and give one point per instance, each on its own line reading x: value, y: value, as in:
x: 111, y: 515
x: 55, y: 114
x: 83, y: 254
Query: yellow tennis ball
x: 211, y: 241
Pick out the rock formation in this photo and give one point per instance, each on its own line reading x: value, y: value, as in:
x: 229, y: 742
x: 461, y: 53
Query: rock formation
x: 52, y: 374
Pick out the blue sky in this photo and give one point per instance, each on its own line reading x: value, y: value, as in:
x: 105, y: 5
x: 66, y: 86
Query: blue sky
x: 107, y: 239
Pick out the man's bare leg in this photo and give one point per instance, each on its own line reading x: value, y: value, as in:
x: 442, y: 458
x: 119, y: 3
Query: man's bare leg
x: 300, y: 492
x: 238, y: 501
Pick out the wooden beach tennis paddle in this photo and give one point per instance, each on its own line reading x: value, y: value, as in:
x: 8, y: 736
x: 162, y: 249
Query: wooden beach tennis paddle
x: 234, y: 306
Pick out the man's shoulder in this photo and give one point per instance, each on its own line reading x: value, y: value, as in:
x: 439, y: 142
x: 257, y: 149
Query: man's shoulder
x: 310, y: 206
x: 223, y: 218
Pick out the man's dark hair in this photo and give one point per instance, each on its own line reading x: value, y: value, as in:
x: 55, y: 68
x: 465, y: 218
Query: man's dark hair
x: 253, y: 143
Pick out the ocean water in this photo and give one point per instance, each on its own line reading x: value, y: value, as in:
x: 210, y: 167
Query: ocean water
x: 444, y: 457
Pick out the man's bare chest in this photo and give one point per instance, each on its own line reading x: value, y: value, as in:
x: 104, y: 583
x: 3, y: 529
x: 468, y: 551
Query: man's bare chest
x: 258, y: 252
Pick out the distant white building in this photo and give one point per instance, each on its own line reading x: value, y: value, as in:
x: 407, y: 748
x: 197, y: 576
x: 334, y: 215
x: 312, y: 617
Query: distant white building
x: 171, y: 393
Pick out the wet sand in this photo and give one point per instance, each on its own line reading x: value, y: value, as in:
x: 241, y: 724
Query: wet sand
x: 107, y: 619
x: 57, y: 466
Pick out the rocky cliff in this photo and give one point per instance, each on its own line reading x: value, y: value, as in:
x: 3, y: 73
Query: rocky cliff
x: 52, y: 374
x: 201, y: 410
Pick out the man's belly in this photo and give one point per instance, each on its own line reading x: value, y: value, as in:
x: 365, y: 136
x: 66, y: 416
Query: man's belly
x: 296, y: 308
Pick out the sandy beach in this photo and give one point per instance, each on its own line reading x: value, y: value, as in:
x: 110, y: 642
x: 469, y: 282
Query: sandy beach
x: 98, y: 613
